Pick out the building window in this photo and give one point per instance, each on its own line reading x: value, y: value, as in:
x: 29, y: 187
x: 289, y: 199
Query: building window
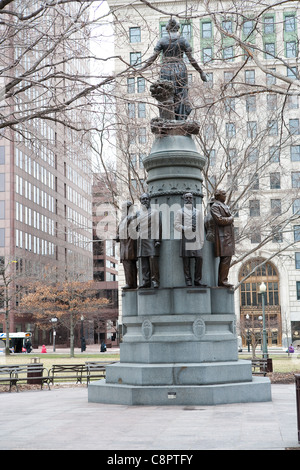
x: 269, y: 25
x: 296, y: 206
x: 2, y: 237
x: 290, y: 49
x: 298, y: 289
x: 228, y: 53
x: 294, y: 126
x: 250, y: 77
x: 275, y: 180
x: 275, y: 206
x: 131, y: 110
x: 230, y: 130
x: 269, y: 50
x: 255, y: 182
x: 250, y: 104
x: 141, y: 110
x: 206, y: 29
x: 248, y: 27
x: 210, y: 79
x: 2, y: 155
x: 142, y: 156
x: 186, y: 31
x: 209, y: 131
x: 135, y: 58
x: 135, y: 34
x: 293, y: 102
x: 295, y: 179
x: 277, y: 234
x: 227, y: 26
x: 229, y: 104
x: 295, y: 153
x: 130, y: 85
x: 297, y: 260
x: 2, y: 182
x: 292, y: 72
x: 274, y: 154
x: 251, y: 129
x: 289, y: 23
x: 255, y: 236
x: 252, y: 155
x: 296, y: 233
x: 271, y: 102
x: 206, y: 54
x: 142, y: 136
x: 228, y: 76
x: 254, y: 206
x: 2, y: 209
x: 250, y: 295
x: 140, y: 85
x: 273, y: 127
x: 271, y: 80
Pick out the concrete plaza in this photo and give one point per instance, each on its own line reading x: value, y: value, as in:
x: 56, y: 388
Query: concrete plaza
x: 62, y: 418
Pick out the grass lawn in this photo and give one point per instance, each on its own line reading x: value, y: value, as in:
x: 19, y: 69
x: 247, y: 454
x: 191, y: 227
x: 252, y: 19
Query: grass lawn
x: 282, y: 363
x: 49, y: 359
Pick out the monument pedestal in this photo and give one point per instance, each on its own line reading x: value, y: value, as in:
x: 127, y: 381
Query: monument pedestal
x: 179, y: 343
x: 188, y: 358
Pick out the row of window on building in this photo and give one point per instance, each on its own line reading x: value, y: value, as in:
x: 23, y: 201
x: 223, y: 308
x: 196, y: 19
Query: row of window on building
x: 35, y: 244
x: 249, y: 29
x: 272, y: 129
x: 34, y: 193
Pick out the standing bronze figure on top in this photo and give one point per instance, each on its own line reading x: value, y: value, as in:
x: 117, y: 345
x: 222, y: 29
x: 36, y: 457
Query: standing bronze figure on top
x: 173, y: 70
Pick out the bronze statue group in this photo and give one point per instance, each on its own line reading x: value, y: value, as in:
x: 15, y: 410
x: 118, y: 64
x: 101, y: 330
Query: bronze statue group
x: 141, y: 240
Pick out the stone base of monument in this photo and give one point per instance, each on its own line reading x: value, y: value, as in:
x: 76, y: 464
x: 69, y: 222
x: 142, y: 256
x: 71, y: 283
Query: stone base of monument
x: 172, y: 358
x: 257, y: 390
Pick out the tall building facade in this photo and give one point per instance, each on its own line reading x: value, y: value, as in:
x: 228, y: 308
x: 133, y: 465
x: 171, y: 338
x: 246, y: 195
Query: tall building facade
x: 248, y: 113
x: 105, y: 264
x: 45, y: 165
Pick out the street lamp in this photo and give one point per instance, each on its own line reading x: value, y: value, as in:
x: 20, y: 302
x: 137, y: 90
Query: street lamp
x: 248, y: 332
x: 262, y: 289
x: 82, y: 339
x: 54, y: 321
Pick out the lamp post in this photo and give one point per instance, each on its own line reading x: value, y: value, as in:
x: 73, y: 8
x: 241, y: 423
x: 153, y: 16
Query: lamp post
x: 82, y: 339
x: 248, y: 332
x: 54, y: 321
x: 262, y: 289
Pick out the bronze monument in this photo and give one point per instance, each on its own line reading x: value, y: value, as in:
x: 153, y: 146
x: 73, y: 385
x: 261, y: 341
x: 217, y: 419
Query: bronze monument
x: 128, y: 248
x: 224, y: 236
x: 149, y: 239
x: 189, y: 221
x: 173, y: 73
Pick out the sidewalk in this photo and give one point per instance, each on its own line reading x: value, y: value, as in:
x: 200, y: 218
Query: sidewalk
x: 63, y: 419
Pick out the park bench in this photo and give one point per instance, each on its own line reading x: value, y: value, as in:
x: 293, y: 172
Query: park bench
x: 6, y: 376
x: 261, y: 366
x: 63, y: 372
x: 96, y: 370
x: 29, y: 373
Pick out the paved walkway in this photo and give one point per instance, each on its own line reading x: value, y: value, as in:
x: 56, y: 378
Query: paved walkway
x: 63, y: 419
